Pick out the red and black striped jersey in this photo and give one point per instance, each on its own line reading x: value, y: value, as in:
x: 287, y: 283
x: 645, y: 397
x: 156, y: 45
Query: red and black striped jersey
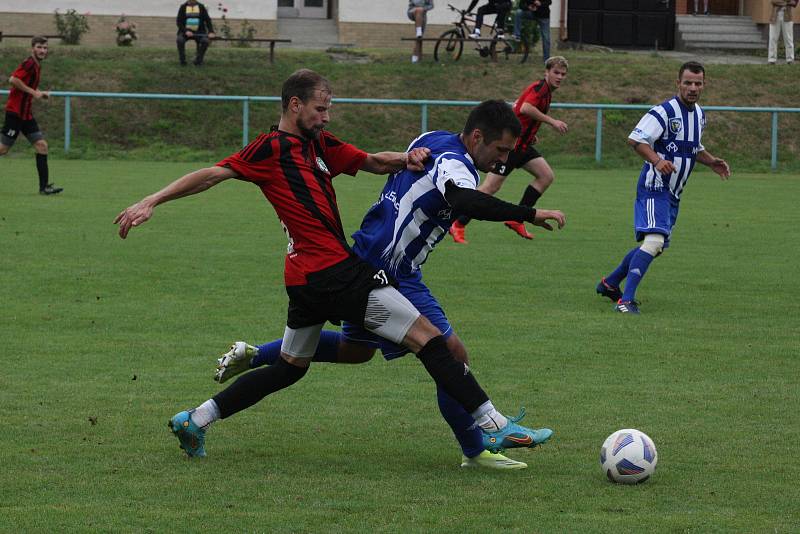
x: 295, y: 174
x: 537, y: 94
x: 20, y: 102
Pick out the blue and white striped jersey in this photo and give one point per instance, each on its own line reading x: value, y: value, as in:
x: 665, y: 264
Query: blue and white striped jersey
x: 674, y: 132
x: 411, y: 215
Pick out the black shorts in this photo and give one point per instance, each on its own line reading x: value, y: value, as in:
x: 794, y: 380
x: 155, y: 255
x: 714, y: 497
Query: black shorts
x: 14, y: 125
x: 338, y: 293
x: 516, y: 159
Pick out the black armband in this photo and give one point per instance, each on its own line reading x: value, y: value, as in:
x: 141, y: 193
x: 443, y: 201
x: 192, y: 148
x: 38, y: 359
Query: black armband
x: 479, y: 205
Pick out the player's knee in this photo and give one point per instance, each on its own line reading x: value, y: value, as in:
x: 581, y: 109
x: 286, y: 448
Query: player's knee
x: 40, y: 146
x: 545, y: 178
x: 653, y: 244
x: 420, y: 333
x: 3, y: 149
x: 457, y: 349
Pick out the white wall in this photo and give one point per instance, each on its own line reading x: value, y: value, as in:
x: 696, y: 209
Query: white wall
x: 237, y: 9
x: 394, y: 11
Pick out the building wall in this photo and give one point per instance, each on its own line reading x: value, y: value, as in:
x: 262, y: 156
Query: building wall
x: 239, y: 9
x: 152, y: 31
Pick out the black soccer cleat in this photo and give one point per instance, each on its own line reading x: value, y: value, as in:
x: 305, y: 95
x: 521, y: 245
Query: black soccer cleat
x: 50, y: 189
x: 607, y: 290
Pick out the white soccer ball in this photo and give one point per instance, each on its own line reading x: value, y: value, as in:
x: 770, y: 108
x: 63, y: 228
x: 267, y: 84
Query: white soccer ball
x: 628, y: 456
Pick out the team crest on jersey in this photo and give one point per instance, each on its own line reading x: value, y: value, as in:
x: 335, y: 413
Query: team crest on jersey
x: 675, y: 125
x: 321, y: 165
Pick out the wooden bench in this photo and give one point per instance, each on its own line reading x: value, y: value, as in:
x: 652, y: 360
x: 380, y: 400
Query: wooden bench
x: 256, y: 40
x: 22, y: 36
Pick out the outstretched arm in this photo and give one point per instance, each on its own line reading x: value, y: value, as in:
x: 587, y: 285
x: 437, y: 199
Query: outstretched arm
x: 388, y: 162
x: 718, y: 165
x: 478, y: 205
x: 189, y: 184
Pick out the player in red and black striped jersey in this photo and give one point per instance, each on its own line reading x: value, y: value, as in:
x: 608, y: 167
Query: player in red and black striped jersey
x: 19, y: 112
x: 294, y: 166
x: 532, y: 109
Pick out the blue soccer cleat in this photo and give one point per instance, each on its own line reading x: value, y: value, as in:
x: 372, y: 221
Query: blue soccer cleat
x: 514, y: 436
x: 192, y: 438
x: 607, y: 290
x: 627, y: 306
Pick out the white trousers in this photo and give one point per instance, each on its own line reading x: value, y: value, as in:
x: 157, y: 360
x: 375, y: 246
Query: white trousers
x: 775, y: 30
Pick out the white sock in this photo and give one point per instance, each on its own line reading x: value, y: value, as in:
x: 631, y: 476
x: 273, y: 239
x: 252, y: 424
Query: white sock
x: 488, y: 418
x: 414, y: 59
x: 419, y: 31
x: 205, y: 414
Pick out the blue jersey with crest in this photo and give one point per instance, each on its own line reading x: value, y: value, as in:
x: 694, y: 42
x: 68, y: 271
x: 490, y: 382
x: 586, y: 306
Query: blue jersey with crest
x: 673, y: 130
x: 412, y: 215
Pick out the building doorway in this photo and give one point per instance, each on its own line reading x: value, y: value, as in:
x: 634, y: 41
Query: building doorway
x: 305, y: 9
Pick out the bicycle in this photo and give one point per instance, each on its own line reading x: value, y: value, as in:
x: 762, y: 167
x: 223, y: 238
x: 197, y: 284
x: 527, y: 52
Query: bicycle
x: 450, y: 44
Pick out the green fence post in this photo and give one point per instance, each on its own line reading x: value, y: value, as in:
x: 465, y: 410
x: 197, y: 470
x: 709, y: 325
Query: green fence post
x: 67, y: 121
x: 598, y: 136
x: 245, y: 121
x: 774, y: 148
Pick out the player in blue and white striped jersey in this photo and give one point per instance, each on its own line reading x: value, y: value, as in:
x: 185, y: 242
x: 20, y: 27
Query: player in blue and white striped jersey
x: 668, y: 138
x: 413, y: 213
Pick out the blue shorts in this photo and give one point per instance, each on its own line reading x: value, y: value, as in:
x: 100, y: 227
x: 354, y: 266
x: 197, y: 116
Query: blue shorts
x: 422, y: 299
x: 654, y: 212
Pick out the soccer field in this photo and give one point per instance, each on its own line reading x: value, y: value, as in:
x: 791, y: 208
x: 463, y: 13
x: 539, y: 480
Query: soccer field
x: 103, y: 340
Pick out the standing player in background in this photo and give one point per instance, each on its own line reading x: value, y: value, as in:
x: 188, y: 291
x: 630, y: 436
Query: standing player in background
x: 668, y: 138
x: 19, y: 112
x: 294, y: 166
x: 397, y: 235
x: 532, y: 108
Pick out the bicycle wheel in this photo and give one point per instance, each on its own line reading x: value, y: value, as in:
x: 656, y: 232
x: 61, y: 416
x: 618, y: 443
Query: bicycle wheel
x: 449, y: 47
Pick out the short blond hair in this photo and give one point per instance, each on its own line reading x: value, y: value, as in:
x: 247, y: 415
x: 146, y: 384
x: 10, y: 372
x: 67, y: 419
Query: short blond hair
x: 556, y: 61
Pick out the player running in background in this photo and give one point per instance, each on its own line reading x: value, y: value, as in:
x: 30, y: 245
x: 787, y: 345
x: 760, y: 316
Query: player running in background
x: 398, y: 233
x: 668, y: 138
x: 19, y: 112
x: 532, y: 108
x: 294, y: 166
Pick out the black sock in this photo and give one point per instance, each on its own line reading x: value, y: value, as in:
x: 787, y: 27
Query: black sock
x: 464, y: 220
x: 44, y: 174
x: 529, y: 197
x: 453, y: 376
x: 253, y: 386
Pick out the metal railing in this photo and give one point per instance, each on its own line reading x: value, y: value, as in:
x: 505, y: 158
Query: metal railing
x: 423, y: 104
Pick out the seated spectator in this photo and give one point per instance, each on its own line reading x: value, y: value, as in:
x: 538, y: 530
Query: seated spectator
x: 193, y: 23
x: 418, y: 13
x: 500, y: 7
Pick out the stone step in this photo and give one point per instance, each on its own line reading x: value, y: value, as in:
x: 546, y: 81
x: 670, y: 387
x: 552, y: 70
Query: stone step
x: 719, y: 45
x: 723, y: 38
x: 309, y: 33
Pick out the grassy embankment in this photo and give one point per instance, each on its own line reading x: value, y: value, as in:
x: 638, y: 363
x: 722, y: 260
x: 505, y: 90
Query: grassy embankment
x: 204, y: 131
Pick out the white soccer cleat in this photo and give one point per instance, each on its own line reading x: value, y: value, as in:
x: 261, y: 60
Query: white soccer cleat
x: 235, y: 361
x: 491, y: 460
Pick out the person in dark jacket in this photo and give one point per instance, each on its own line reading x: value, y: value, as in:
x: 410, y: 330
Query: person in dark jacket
x: 193, y: 23
x: 539, y: 11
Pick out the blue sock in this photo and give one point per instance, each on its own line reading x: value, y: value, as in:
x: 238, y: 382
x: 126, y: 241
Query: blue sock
x: 639, y: 264
x: 327, y: 350
x: 467, y: 433
x: 616, y: 277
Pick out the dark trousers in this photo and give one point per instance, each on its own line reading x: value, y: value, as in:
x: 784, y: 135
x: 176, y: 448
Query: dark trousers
x: 501, y: 8
x: 202, y: 45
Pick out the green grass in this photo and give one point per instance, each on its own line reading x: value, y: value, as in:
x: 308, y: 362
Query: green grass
x: 104, y: 339
x: 195, y: 131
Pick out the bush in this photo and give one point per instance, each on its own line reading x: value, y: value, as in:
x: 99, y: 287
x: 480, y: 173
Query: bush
x: 126, y: 31
x: 71, y: 26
